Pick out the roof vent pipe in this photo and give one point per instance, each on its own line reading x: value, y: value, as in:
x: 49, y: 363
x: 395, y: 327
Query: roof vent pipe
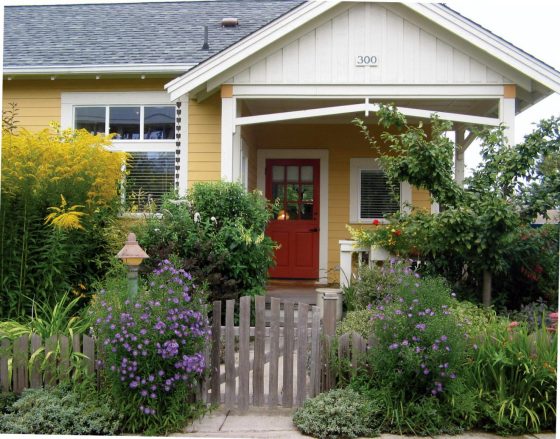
x: 205, y: 46
x: 230, y: 22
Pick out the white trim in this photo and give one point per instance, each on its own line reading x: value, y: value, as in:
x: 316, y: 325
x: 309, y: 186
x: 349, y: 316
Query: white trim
x: 490, y: 43
x: 323, y: 156
x: 454, y: 23
x: 98, y: 68
x: 436, y: 91
x: 248, y: 46
x: 184, y: 155
x: 507, y: 117
x: 115, y: 98
x: 358, y: 164
x: 365, y: 107
x: 228, y: 114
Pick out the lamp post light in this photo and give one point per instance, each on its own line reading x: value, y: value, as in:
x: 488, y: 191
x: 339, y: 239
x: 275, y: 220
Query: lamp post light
x: 132, y: 255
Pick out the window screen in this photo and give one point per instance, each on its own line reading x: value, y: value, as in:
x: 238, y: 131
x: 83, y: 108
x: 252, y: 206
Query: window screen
x: 376, y: 198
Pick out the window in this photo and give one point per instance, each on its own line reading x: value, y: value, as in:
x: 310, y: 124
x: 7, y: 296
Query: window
x: 144, y: 127
x: 370, y: 194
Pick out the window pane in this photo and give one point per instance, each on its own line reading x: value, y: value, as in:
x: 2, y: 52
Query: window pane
x: 278, y: 173
x: 149, y: 176
x: 125, y: 121
x: 91, y: 119
x: 278, y: 191
x: 307, y: 211
x: 159, y: 122
x: 376, y: 199
x: 307, y: 192
x: 306, y: 174
x: 293, y: 173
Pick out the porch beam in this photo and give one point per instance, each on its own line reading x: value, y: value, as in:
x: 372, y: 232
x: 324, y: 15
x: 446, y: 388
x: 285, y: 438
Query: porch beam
x: 460, y: 155
x: 507, y: 112
x: 301, y: 91
x: 365, y: 107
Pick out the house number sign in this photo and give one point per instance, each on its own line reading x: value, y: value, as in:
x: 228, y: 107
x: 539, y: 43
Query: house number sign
x: 367, y: 60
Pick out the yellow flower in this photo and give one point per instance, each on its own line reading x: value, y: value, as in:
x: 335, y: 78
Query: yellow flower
x: 64, y: 217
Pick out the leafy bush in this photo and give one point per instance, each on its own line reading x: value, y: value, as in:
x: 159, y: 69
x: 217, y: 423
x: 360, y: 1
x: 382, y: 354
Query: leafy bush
x: 152, y: 348
x: 513, y: 372
x: 60, y: 410
x: 532, y: 272
x: 59, y: 195
x: 64, y: 318
x: 360, y: 321
x: 340, y: 413
x: 218, y: 233
x: 376, y: 282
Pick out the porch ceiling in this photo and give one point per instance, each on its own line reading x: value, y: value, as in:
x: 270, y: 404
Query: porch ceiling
x: 472, y: 107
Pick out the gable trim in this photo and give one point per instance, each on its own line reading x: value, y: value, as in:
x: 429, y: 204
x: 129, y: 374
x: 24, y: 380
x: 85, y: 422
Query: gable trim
x: 447, y: 18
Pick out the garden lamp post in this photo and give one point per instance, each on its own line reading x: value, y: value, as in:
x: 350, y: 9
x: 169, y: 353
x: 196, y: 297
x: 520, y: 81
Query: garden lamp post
x: 132, y: 255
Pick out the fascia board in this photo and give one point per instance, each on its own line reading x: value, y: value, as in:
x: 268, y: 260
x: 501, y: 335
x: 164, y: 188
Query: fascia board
x: 248, y: 46
x: 490, y: 43
x: 101, y: 68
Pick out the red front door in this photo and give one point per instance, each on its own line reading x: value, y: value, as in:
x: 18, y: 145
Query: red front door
x: 294, y: 185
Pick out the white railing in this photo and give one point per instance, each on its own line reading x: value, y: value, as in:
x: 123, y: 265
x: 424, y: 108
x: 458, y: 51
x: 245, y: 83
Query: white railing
x: 368, y: 255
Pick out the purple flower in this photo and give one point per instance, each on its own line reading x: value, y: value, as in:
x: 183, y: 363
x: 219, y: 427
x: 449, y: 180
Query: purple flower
x: 393, y: 346
x: 421, y: 326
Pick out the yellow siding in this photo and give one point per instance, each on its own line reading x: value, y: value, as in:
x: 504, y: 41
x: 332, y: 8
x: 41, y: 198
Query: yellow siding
x: 204, y: 140
x: 421, y: 199
x: 38, y: 100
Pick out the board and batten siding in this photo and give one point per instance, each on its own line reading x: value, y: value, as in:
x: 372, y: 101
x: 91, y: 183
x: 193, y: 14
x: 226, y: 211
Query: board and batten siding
x: 408, y: 50
x: 38, y: 100
x: 204, y: 140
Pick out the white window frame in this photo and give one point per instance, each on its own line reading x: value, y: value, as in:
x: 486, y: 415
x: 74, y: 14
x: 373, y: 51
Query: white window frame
x: 71, y: 100
x: 359, y: 164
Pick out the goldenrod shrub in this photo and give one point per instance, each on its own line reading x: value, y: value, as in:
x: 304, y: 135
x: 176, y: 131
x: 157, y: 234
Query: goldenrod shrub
x: 59, y: 197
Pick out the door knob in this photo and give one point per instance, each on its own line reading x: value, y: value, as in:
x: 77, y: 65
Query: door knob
x: 316, y: 229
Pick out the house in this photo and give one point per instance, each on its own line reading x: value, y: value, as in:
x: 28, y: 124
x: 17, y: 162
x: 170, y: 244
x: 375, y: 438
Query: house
x: 263, y: 92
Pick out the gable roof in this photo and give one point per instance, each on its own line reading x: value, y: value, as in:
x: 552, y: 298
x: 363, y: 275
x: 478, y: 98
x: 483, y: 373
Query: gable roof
x: 167, y: 36
x: 439, y: 14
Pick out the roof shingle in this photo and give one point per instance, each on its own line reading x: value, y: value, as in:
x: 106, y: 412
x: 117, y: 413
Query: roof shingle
x: 129, y: 33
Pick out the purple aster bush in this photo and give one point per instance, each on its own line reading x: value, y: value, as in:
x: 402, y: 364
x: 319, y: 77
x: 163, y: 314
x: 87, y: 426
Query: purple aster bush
x: 152, y: 349
x: 420, y: 347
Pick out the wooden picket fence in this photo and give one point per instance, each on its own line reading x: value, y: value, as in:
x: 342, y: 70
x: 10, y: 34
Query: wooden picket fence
x: 31, y: 362
x: 284, y: 359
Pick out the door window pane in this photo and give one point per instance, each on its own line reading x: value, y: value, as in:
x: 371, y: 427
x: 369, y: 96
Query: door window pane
x: 278, y: 191
x: 307, y: 192
x: 91, y: 119
x: 307, y: 174
x: 159, y: 122
x: 125, y: 122
x: 292, y: 211
x: 278, y: 173
x: 293, y: 192
x: 292, y: 173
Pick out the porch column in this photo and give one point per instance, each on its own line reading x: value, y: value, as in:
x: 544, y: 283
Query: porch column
x: 460, y: 147
x: 507, y: 112
x: 228, y: 132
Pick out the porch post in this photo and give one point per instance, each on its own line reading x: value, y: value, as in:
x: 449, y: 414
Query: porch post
x: 228, y: 130
x: 460, y: 148
x: 507, y: 112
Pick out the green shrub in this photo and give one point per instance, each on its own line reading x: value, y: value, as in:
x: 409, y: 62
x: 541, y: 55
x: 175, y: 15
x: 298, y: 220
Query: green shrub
x: 376, y: 282
x: 218, y: 233
x: 60, y: 410
x: 513, y: 371
x: 59, y: 194
x: 6, y: 401
x: 360, y: 321
x: 340, y: 413
x: 152, y: 350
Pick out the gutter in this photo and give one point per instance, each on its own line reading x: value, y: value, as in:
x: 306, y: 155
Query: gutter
x: 97, y: 69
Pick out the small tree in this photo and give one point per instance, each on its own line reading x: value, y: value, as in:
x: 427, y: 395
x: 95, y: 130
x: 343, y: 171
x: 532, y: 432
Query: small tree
x: 477, y: 223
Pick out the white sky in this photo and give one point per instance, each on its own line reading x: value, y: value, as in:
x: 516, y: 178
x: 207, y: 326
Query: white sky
x: 533, y: 26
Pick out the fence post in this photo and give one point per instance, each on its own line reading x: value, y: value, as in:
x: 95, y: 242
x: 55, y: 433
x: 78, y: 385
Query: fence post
x: 329, y: 313
x: 244, y: 364
x: 216, y: 346
x: 4, y: 355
